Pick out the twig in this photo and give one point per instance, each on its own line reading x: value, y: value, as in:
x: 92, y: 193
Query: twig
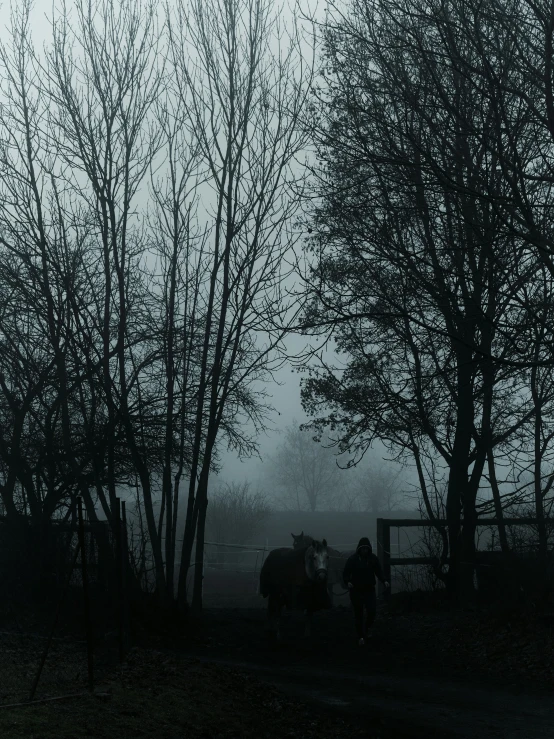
x: 45, y: 700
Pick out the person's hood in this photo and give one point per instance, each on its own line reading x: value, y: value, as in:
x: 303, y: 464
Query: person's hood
x: 364, y: 542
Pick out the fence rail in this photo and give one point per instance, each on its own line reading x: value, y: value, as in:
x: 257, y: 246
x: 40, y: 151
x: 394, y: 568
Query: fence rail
x: 384, y: 549
x: 267, y: 548
x: 234, y: 553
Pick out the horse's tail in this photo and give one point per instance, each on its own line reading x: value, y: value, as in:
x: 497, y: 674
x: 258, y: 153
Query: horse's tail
x: 265, y: 580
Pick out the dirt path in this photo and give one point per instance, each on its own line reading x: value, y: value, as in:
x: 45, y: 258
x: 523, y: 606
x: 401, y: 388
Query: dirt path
x: 406, y: 684
x: 411, y: 706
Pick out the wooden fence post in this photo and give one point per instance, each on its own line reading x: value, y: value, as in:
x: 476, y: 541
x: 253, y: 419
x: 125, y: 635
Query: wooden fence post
x: 125, y: 576
x: 119, y: 576
x: 86, y: 595
x: 383, y: 549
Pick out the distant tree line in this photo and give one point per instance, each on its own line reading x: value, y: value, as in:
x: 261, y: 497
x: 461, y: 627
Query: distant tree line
x: 305, y: 474
x: 235, y: 516
x: 432, y: 250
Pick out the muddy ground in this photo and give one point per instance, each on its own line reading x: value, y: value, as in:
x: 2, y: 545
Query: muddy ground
x: 428, y: 671
x: 413, y: 630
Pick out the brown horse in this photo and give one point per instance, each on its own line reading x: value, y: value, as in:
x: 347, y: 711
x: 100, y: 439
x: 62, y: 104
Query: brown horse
x: 297, y: 579
x: 337, y: 560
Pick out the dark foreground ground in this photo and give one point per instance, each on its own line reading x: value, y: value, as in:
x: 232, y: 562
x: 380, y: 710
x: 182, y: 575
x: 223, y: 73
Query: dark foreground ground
x: 429, y: 671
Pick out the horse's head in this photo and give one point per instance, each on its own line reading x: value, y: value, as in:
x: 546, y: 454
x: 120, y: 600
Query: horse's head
x: 301, y: 540
x: 317, y: 560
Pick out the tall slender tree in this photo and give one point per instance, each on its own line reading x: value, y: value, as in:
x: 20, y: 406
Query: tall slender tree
x: 245, y: 83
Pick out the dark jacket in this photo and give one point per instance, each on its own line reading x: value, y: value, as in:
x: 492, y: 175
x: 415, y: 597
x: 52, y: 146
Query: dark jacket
x: 361, y: 571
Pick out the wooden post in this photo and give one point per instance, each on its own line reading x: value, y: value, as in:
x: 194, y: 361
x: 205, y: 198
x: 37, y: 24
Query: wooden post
x: 383, y: 549
x: 86, y: 595
x: 203, y: 575
x: 125, y: 576
x: 119, y: 576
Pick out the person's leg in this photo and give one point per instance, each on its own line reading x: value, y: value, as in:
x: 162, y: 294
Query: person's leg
x: 358, y: 606
x: 371, y: 609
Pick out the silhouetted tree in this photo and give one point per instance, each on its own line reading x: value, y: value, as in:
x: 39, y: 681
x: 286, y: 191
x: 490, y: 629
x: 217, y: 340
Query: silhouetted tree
x: 304, y: 470
x: 416, y: 271
x: 245, y: 85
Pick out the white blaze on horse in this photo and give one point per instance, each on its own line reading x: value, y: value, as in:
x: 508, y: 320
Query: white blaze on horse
x: 337, y: 560
x: 296, y: 579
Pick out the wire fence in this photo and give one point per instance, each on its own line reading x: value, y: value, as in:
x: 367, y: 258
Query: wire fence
x: 232, y: 572
x: 249, y: 558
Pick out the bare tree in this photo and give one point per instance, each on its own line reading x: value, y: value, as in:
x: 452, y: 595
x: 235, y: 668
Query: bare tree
x: 104, y: 79
x: 245, y: 86
x: 76, y: 145
x: 304, y: 470
x: 178, y: 295
x: 377, y: 488
x: 415, y: 269
x: 38, y: 271
x: 148, y: 332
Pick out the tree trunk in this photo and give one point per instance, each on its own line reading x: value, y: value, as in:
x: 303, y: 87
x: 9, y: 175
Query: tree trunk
x: 537, y: 463
x: 429, y: 509
x: 196, y: 605
x: 498, y: 512
x: 458, y: 579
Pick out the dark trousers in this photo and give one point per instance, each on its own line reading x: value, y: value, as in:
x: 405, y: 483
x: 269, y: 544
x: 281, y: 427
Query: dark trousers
x: 363, y: 599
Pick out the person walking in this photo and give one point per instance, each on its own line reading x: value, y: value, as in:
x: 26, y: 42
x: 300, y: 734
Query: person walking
x: 359, y: 575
